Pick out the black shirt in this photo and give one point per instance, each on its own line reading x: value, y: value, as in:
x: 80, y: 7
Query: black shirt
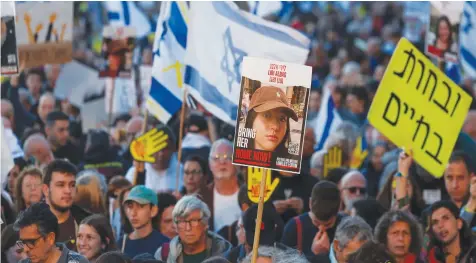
x: 67, y: 233
x: 70, y: 152
x: 299, y: 185
x: 309, y: 231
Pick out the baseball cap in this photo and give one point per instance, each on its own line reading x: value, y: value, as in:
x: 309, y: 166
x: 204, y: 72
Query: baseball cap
x: 268, y: 98
x: 142, y: 195
x: 271, y: 222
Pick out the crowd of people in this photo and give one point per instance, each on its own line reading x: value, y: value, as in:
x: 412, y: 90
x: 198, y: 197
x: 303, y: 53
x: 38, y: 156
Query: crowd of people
x: 79, y: 196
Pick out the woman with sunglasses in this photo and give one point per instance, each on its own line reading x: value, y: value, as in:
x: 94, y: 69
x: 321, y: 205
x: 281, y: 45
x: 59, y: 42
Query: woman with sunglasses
x: 95, y: 237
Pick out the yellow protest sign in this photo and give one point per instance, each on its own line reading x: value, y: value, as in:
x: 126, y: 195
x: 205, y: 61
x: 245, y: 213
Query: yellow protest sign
x: 332, y: 160
x: 419, y: 107
x: 144, y: 147
x: 254, y: 182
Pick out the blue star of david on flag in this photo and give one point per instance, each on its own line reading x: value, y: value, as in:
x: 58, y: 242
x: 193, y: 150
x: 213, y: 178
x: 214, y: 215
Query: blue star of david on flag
x: 466, y: 25
x: 232, y: 59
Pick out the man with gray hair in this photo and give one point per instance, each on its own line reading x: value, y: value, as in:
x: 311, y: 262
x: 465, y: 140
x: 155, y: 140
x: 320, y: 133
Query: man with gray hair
x: 194, y: 242
x: 268, y: 254
x: 37, y: 146
x: 353, y: 187
x: 351, y: 234
x: 222, y: 195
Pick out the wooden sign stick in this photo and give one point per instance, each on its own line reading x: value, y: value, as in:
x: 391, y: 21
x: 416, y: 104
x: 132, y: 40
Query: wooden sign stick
x: 179, y: 157
x: 259, y: 217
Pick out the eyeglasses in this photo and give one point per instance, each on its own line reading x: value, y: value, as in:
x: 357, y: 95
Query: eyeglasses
x: 354, y: 190
x: 223, y: 157
x: 30, y: 243
x: 182, y: 224
x: 192, y: 172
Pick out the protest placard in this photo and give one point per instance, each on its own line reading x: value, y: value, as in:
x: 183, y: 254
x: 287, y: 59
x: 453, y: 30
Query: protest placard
x: 332, y: 160
x: 254, y: 176
x: 443, y: 30
x: 415, y: 15
x: 117, y: 52
x: 143, y: 148
x: 44, y: 32
x: 417, y: 106
x: 9, y: 53
x: 272, y: 114
x: 145, y: 81
x: 121, y: 95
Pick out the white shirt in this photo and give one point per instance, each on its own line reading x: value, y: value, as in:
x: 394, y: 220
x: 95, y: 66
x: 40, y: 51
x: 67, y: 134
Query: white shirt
x: 159, y: 181
x: 226, y: 209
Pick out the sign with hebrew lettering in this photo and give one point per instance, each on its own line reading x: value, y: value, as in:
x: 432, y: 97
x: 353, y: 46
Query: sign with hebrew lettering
x: 443, y: 30
x: 271, y: 116
x: 417, y: 106
x: 9, y: 55
x: 44, y: 32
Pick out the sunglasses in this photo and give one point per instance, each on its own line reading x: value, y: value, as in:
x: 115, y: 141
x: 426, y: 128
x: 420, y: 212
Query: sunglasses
x: 223, y: 157
x: 354, y: 190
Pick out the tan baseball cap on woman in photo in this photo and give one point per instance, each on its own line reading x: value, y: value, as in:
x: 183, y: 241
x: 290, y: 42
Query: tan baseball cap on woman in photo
x: 268, y: 98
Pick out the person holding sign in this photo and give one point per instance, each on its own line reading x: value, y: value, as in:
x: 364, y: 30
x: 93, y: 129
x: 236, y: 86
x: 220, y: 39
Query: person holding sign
x: 268, y: 120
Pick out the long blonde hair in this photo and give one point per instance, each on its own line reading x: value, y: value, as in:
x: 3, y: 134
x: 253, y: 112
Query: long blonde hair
x: 89, y: 194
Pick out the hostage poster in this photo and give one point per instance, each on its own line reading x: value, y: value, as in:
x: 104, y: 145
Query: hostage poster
x: 117, y: 52
x: 272, y: 114
x: 443, y: 30
x: 9, y: 53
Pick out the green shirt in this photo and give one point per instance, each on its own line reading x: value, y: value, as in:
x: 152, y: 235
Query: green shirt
x: 196, y: 258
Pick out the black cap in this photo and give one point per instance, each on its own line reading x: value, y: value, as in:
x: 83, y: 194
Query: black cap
x: 196, y: 123
x: 271, y: 222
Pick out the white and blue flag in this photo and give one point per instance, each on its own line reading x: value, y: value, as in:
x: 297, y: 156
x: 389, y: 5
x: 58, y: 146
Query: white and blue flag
x: 126, y: 13
x: 327, y: 119
x: 220, y: 37
x: 467, y: 39
x: 166, y: 91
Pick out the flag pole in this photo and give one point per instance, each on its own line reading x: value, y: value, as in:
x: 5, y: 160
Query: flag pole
x: 179, y: 157
x: 139, y: 166
x: 111, y: 102
x: 259, y: 216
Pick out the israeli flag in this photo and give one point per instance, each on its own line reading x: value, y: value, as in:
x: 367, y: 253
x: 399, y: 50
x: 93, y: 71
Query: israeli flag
x: 166, y: 91
x: 327, y: 119
x: 468, y: 38
x: 126, y: 13
x: 219, y: 39
x: 265, y: 8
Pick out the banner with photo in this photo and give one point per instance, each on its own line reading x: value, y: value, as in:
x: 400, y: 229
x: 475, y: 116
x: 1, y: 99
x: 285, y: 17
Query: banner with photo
x: 117, y: 52
x: 44, y: 33
x: 9, y: 53
x: 443, y: 30
x: 272, y: 114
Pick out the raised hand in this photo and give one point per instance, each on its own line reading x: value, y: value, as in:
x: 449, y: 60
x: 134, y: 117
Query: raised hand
x: 332, y: 159
x: 144, y: 147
